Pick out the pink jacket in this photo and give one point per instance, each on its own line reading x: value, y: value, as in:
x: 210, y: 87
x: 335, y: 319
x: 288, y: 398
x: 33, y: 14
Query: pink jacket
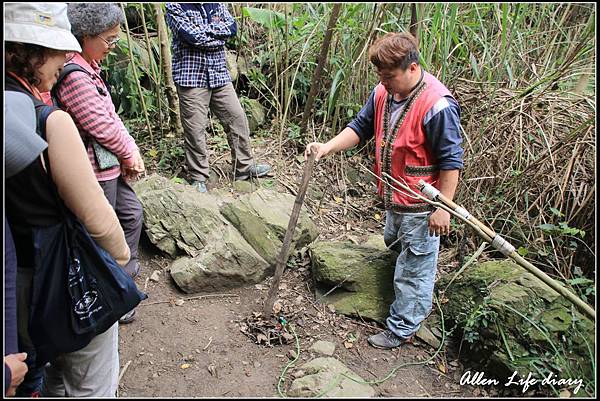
x: 86, y: 98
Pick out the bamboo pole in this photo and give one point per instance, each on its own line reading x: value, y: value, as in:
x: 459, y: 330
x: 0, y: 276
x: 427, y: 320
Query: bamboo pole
x: 491, y: 235
x: 289, y: 234
x: 314, y: 85
x: 153, y: 66
x: 137, y: 81
x: 414, y: 21
x: 171, y: 91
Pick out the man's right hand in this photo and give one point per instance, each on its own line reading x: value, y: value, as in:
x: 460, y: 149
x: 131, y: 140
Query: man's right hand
x: 320, y: 149
x: 18, y: 369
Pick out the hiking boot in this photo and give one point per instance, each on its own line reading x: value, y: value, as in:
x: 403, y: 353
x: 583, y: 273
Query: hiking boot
x: 256, y: 170
x: 128, y: 317
x: 200, y: 186
x: 386, y: 340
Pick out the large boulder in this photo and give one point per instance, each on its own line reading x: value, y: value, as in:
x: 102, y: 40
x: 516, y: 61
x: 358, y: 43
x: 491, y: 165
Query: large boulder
x: 223, y: 264
x: 514, y: 322
x: 364, y: 274
x: 262, y: 217
x: 178, y: 219
x: 255, y: 113
x: 236, y: 64
x: 221, y: 241
x: 330, y: 378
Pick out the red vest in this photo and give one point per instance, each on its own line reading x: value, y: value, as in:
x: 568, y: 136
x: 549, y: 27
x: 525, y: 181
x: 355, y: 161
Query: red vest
x: 404, y: 154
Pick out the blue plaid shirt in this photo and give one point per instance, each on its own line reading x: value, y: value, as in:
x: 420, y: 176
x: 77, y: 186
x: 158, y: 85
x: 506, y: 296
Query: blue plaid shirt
x: 199, y: 34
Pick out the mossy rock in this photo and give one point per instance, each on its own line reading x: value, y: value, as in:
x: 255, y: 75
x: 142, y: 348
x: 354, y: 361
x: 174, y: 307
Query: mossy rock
x: 255, y: 113
x: 364, y: 274
x: 262, y: 217
x: 512, y: 321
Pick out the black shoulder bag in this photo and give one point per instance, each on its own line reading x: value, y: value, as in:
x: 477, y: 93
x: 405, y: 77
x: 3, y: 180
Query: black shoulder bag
x: 79, y: 290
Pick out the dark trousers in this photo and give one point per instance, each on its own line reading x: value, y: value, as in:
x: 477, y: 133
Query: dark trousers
x: 130, y: 213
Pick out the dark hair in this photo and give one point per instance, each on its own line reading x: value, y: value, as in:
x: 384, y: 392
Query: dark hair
x: 394, y: 50
x: 24, y: 59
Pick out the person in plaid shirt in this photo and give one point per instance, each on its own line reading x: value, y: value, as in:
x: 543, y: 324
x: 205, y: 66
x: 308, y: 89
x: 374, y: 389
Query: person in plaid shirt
x: 203, y: 82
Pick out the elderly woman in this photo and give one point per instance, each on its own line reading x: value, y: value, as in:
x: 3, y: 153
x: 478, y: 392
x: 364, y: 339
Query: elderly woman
x: 85, y: 96
x: 38, y: 41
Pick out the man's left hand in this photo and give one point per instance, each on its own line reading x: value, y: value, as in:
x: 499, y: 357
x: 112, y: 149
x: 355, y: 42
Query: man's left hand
x: 439, y: 223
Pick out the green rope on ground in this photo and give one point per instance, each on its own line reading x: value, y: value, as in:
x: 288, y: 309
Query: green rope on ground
x: 339, y: 377
x: 281, y: 378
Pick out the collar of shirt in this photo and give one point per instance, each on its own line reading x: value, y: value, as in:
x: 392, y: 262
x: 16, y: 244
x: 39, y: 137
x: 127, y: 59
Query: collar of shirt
x: 93, y: 68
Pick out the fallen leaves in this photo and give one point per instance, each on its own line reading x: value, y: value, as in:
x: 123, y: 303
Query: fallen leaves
x: 442, y: 368
x: 277, y: 307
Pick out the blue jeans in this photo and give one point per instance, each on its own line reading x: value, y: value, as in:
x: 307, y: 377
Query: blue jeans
x: 414, y: 275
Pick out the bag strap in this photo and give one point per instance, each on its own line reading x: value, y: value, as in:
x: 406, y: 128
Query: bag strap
x: 69, y: 68
x: 43, y: 111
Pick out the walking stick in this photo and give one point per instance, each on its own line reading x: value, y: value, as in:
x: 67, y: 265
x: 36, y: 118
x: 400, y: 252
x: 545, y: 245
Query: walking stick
x: 285, y: 248
x: 505, y: 247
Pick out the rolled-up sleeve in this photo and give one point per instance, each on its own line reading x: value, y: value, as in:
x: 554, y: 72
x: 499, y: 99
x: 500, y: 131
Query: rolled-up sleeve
x: 442, y: 128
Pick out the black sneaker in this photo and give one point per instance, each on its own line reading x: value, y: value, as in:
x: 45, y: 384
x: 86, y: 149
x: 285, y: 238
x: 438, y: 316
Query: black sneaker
x: 257, y: 170
x: 387, y: 340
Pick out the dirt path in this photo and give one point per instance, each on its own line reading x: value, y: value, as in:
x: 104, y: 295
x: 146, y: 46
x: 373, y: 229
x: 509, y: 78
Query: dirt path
x: 196, y: 348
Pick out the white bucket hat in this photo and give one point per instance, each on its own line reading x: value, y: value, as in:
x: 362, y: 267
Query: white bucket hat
x: 43, y: 24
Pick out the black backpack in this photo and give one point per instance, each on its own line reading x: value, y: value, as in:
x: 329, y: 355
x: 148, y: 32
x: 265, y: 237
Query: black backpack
x: 69, y: 68
x: 104, y: 157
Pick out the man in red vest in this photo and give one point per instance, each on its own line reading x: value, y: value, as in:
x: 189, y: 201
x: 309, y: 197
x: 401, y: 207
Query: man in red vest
x: 416, y: 125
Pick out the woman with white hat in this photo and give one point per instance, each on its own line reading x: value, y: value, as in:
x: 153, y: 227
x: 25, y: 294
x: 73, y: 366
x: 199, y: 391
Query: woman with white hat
x: 38, y: 41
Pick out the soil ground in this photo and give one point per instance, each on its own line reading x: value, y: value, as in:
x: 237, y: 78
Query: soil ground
x: 196, y: 348
x: 181, y: 347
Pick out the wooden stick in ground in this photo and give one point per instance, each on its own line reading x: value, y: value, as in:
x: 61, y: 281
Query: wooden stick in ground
x: 289, y: 234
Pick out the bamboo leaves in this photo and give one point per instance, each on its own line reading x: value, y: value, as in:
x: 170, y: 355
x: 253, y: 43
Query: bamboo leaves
x: 268, y: 18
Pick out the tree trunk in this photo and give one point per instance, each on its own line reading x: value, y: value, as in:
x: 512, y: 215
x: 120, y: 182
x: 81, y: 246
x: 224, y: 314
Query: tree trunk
x: 135, y: 76
x: 414, y: 21
x: 314, y: 85
x: 171, y: 91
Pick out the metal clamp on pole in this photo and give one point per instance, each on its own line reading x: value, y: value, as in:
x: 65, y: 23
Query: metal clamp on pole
x: 503, y: 245
x: 461, y: 211
x: 428, y: 190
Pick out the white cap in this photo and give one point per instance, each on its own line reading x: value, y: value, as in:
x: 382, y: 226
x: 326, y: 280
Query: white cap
x: 43, y: 24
